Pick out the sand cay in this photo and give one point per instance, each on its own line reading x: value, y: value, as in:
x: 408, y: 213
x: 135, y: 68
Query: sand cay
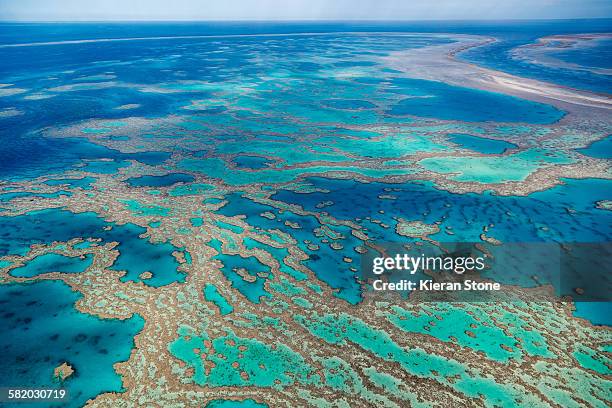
x: 440, y: 63
x: 543, y: 51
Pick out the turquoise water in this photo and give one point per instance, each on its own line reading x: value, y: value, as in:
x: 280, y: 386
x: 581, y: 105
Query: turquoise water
x: 41, y: 330
x: 348, y: 104
x: 104, y: 167
x: 512, y: 167
x: 139, y: 209
x: 211, y: 293
x: 253, y: 290
x: 596, y: 312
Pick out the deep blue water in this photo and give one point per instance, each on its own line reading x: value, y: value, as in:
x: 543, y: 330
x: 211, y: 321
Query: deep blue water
x: 599, y: 56
x: 137, y: 255
x: 24, y: 153
x: 566, y: 211
x: 251, y: 162
x: 480, y: 144
x: 23, y: 156
x: 510, y: 33
x: 325, y: 262
x: 53, y: 263
x: 84, y: 183
x: 160, y: 181
x: 563, y: 214
x: 601, y: 149
x: 448, y: 102
x: 499, y: 54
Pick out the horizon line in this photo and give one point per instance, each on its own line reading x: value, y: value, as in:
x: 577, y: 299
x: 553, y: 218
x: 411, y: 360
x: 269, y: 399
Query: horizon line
x: 289, y: 20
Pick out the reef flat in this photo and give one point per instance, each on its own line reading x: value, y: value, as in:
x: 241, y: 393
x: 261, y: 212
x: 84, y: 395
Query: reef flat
x: 208, y: 198
x: 439, y: 64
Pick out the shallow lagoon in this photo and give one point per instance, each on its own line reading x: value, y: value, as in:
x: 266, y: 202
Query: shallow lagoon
x: 251, y: 162
x: 481, y: 144
x: 160, y: 181
x: 513, y: 167
x: 53, y: 263
x: 44, y: 311
x: 4, y: 197
x: 211, y: 293
x: 85, y: 183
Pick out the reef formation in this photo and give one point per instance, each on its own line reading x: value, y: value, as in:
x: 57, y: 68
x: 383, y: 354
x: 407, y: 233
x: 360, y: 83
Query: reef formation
x: 213, y: 215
